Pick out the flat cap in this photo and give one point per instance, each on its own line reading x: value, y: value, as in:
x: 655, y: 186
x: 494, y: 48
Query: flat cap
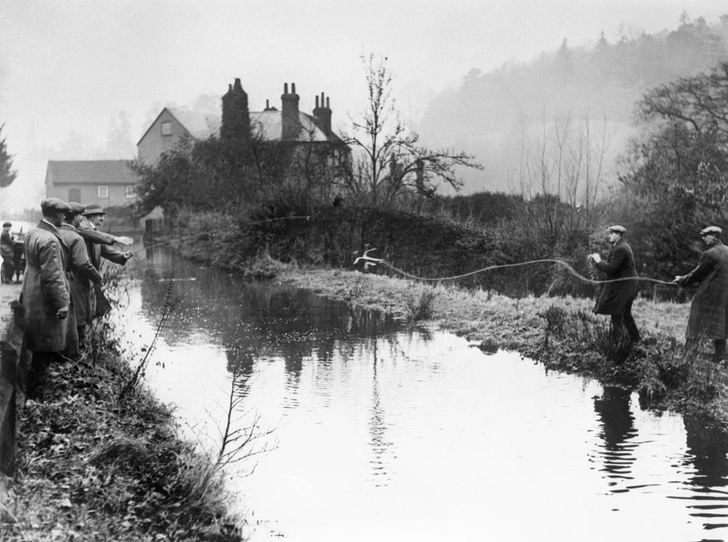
x: 53, y: 205
x: 94, y: 209
x: 75, y: 208
x: 617, y: 229
x: 7, y: 225
x: 711, y: 230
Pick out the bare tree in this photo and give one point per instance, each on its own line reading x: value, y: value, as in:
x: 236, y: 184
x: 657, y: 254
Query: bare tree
x: 388, y: 161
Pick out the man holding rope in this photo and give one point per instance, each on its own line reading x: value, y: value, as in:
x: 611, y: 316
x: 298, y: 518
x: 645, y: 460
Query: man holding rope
x: 620, y: 288
x: 709, y: 309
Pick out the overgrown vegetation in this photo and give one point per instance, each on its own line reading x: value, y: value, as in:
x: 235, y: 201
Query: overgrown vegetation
x: 100, y: 459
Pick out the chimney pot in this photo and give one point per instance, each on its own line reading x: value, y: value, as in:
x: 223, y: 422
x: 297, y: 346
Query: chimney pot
x: 285, y: 88
x: 293, y: 88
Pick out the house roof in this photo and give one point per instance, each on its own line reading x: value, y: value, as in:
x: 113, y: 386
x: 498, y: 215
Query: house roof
x: 269, y: 126
x: 200, y: 124
x: 89, y: 172
x: 266, y: 124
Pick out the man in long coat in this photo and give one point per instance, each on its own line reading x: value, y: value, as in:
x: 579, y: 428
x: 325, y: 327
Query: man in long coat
x: 45, y: 296
x: 709, y: 309
x: 99, y: 245
x: 82, y: 275
x: 618, y: 295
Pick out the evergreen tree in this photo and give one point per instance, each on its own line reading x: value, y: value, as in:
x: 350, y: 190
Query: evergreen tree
x: 7, y: 173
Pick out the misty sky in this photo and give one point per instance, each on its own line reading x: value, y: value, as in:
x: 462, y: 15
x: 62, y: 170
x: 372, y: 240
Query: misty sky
x: 69, y: 67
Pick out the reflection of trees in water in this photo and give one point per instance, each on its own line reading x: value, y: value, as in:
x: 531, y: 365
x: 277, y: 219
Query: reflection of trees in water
x: 259, y: 320
x: 617, y: 457
x: 707, y: 453
x: 276, y: 319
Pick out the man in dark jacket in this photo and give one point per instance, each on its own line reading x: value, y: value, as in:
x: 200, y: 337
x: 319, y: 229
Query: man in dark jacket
x: 81, y: 275
x: 620, y: 290
x: 709, y: 309
x: 45, y: 297
x: 7, y: 250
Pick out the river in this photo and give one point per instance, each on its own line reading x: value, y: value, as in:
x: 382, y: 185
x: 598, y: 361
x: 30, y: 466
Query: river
x: 366, y: 430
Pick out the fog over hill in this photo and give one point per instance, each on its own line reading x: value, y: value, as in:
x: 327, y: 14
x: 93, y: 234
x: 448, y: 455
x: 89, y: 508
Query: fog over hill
x: 574, y: 103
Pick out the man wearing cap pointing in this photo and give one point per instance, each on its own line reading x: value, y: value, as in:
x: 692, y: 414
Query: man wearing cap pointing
x: 709, y: 309
x: 620, y: 291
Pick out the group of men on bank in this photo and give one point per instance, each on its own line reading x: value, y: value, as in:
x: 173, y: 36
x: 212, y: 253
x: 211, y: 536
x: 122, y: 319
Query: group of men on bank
x: 709, y: 308
x: 63, y: 258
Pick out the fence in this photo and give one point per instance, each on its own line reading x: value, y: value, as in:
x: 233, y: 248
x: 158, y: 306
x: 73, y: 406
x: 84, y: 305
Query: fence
x: 13, y: 379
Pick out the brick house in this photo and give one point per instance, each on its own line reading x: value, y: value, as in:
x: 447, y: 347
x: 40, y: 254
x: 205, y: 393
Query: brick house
x: 288, y: 124
x: 110, y: 183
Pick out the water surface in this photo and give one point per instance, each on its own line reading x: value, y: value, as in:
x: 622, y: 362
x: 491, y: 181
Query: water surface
x: 376, y: 432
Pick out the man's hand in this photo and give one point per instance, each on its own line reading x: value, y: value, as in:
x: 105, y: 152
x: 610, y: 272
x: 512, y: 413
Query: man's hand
x: 596, y: 258
x: 128, y: 255
x: 62, y: 313
x: 677, y: 279
x: 124, y: 240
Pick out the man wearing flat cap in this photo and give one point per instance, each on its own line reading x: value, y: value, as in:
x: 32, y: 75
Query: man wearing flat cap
x: 620, y: 287
x: 45, y: 296
x: 81, y: 275
x: 709, y: 309
x: 100, y: 245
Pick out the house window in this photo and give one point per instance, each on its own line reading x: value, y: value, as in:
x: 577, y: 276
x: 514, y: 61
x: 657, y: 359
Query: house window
x: 167, y: 128
x: 130, y: 191
x: 103, y: 191
x: 74, y: 194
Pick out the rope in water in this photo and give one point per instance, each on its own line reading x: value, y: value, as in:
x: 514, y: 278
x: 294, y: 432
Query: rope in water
x: 562, y: 263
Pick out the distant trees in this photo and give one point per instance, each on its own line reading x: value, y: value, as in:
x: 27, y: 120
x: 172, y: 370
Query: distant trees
x: 7, y: 173
x: 388, y: 162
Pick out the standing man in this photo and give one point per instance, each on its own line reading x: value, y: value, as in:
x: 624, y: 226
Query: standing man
x: 7, y: 251
x: 620, y: 290
x: 45, y: 296
x: 709, y: 309
x: 81, y: 274
x: 99, y: 245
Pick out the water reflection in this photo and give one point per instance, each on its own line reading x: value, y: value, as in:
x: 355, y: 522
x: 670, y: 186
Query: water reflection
x: 614, y: 411
x: 707, y: 453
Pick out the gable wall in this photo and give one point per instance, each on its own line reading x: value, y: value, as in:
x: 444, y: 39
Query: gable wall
x: 154, y: 144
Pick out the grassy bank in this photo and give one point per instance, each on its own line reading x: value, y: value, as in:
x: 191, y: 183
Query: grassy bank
x: 560, y: 332
x: 100, y: 459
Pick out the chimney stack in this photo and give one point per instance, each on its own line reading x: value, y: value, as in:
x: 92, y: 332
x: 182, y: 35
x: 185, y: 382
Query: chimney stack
x: 322, y: 112
x: 290, y: 121
x: 235, y: 113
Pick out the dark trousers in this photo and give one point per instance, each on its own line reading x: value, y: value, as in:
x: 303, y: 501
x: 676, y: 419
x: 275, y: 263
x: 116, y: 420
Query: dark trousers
x: 623, y: 321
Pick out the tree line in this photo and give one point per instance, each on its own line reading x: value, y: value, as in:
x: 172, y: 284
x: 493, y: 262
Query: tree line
x: 672, y: 181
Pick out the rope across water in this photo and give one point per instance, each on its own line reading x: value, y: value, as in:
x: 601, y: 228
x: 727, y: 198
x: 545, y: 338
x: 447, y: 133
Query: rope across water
x: 562, y: 263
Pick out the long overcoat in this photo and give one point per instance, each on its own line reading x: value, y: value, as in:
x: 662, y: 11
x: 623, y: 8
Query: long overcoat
x: 709, y: 309
x: 616, y: 297
x: 45, y: 289
x: 82, y: 274
x: 99, y: 245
